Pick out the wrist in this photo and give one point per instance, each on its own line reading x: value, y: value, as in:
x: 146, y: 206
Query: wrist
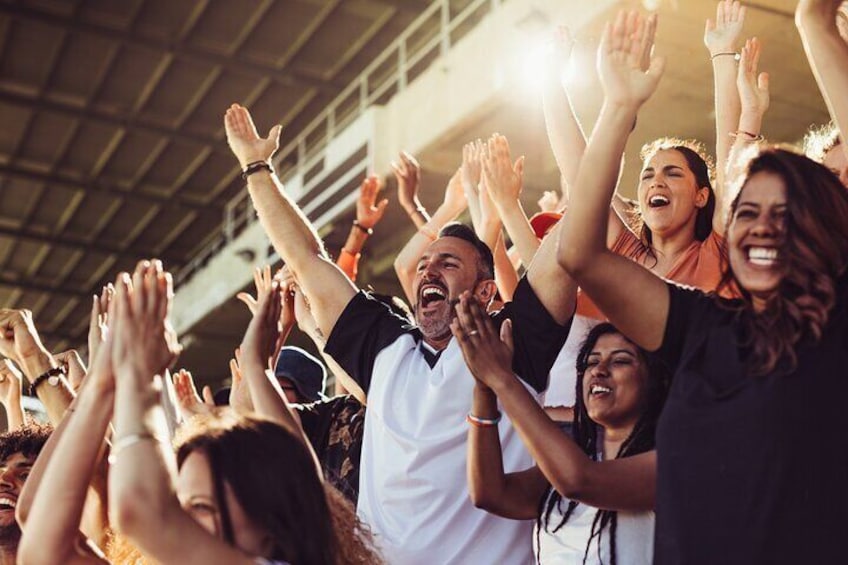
x: 814, y: 14
x: 36, y: 363
x: 751, y: 122
x: 501, y: 381
x: 410, y: 206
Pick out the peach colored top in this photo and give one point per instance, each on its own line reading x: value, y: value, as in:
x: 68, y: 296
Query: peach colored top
x: 699, y: 266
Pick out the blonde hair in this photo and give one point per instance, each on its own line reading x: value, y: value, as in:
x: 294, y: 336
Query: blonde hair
x: 820, y: 140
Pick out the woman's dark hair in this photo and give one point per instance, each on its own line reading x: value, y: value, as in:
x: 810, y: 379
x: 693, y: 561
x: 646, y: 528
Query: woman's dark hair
x: 585, y: 433
x: 814, y: 253
x: 272, y: 474
x: 699, y: 164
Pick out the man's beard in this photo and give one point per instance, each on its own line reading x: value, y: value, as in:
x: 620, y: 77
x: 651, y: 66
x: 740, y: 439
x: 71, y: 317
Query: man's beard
x: 10, y: 537
x: 437, y: 328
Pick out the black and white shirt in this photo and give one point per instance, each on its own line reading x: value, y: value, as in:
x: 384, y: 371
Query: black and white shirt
x: 412, y: 490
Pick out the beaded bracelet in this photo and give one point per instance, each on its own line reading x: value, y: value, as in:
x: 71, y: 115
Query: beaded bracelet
x: 362, y: 228
x: 483, y: 422
x: 255, y: 167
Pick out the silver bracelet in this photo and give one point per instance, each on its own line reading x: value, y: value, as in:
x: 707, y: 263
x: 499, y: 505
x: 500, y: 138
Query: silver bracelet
x: 128, y: 441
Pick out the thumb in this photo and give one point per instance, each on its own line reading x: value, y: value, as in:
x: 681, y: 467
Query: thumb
x: 274, y: 134
x: 506, y: 335
x: 208, y: 397
x: 656, y: 69
x: 519, y: 166
x: 382, y: 205
x: 763, y: 82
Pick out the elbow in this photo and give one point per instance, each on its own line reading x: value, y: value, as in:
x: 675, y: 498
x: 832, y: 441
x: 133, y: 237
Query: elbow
x: 34, y: 549
x: 572, y: 486
x: 132, y: 510
x: 482, y: 500
x: 573, y: 258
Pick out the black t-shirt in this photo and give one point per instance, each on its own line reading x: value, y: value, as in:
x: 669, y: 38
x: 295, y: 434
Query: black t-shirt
x: 334, y: 428
x: 367, y: 326
x: 751, y: 469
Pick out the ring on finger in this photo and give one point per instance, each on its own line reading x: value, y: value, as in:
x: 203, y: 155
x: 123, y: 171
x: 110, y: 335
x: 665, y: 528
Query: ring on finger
x: 472, y: 332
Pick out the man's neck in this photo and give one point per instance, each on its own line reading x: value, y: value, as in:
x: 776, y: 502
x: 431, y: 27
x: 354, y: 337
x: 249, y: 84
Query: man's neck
x: 438, y: 345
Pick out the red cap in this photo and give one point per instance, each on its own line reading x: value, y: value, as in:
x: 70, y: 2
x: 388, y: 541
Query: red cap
x: 542, y: 222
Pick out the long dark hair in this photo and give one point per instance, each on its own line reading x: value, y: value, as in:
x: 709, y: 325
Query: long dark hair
x: 814, y: 253
x: 699, y: 164
x: 273, y: 477
x: 585, y: 432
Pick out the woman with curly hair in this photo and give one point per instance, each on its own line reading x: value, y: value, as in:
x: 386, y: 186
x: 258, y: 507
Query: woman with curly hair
x: 749, y: 460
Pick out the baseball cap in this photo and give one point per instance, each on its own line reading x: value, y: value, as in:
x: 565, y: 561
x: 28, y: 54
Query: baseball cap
x: 306, y: 373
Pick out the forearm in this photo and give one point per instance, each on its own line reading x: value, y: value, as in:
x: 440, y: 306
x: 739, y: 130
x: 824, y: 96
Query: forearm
x: 60, y: 498
x: 416, y: 211
x: 267, y: 397
x: 827, y: 53
x: 584, y: 235
x: 566, y: 137
x: 561, y: 461
x: 519, y: 229
x: 487, y: 482
x: 15, y: 418
x: 348, y: 260
x: 345, y: 381
x: 407, y: 260
x: 141, y: 493
x: 727, y: 109
x: 506, y: 276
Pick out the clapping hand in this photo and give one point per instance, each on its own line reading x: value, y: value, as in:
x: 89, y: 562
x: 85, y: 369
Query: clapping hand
x: 144, y: 342
x: 189, y: 402
x: 487, y: 352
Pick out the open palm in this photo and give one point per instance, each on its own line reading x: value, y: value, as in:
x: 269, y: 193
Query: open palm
x: 626, y: 43
x: 244, y: 140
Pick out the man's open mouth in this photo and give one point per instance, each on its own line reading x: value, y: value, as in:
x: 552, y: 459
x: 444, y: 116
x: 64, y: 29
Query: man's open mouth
x: 432, y: 293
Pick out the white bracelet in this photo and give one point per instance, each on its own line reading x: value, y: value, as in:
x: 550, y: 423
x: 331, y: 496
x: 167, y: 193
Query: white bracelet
x: 128, y: 441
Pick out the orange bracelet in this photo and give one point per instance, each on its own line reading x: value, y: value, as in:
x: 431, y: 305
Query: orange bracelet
x: 430, y: 235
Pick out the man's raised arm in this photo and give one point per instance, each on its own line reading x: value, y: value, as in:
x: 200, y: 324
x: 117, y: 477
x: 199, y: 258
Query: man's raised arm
x: 291, y: 234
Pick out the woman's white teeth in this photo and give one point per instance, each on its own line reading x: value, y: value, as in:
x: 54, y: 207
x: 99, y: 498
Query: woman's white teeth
x: 658, y: 200
x: 762, y: 255
x: 8, y: 502
x: 599, y: 389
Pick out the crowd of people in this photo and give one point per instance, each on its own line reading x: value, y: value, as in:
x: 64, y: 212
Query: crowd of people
x: 609, y: 381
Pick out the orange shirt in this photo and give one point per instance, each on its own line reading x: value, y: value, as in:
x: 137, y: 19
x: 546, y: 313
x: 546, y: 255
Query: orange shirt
x: 699, y: 266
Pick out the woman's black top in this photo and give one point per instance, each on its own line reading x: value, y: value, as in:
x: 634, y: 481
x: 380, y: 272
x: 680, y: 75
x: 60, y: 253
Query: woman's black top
x: 751, y: 469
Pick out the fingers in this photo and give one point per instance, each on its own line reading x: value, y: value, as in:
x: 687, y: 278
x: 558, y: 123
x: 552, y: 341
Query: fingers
x: 235, y: 373
x: 506, y: 335
x: 481, y: 319
x: 249, y: 301
x: 763, y: 82
x: 208, y: 397
x: 463, y: 314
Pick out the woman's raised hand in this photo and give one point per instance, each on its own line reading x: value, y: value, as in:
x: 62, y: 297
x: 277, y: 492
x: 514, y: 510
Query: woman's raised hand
x: 626, y: 44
